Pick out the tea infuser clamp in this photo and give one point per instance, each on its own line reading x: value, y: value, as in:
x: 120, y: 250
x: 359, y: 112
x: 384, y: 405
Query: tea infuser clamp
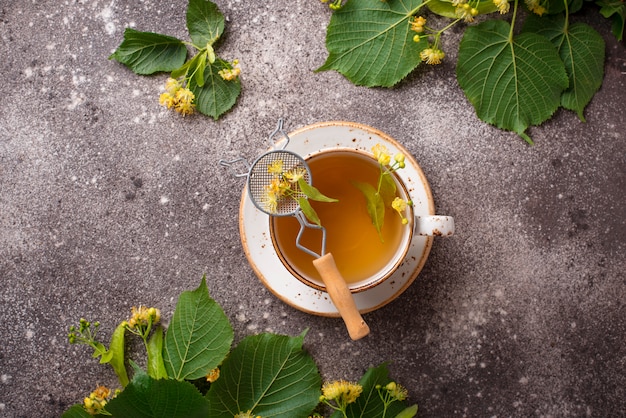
x: 259, y: 177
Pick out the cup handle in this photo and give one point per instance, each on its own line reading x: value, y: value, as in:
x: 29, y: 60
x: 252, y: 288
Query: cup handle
x: 341, y: 296
x: 434, y: 225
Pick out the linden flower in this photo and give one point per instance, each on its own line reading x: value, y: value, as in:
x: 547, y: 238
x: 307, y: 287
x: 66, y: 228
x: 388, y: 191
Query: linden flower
x: 399, y: 205
x: 417, y: 24
x: 178, y: 97
x: 397, y: 391
x: 95, y: 402
x: 502, y: 5
x: 399, y: 159
x: 172, y: 85
x: 294, y: 175
x: 466, y: 12
x: 270, y: 201
x: 230, y: 74
x: 167, y: 100
x: 213, y: 375
x: 341, y: 391
x: 143, y: 316
x: 184, y: 95
x: 276, y: 167
x: 381, y: 154
x: 535, y: 7
x: 432, y: 56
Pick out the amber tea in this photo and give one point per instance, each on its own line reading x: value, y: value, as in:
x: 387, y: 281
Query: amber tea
x: 351, y: 237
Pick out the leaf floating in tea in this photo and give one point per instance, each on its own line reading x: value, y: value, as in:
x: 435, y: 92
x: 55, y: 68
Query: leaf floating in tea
x: 375, y: 205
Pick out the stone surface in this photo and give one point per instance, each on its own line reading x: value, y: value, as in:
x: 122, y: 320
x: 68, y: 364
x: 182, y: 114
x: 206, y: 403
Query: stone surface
x: 107, y: 200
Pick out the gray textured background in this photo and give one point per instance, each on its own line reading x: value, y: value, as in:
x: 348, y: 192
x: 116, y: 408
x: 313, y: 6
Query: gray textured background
x: 107, y: 201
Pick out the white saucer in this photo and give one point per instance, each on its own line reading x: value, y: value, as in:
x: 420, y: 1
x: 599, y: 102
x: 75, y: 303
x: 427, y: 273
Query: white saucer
x: 254, y: 225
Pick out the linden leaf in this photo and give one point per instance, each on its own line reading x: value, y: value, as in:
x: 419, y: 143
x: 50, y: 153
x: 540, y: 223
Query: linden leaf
x: 374, y: 204
x: 387, y: 188
x: 312, y: 193
x: 198, y: 337
x: 205, y: 22
x: 148, y: 53
x: 616, y: 9
x: 77, y: 411
x: 370, y: 42
x: 581, y: 49
x: 308, y: 211
x: 512, y: 82
x: 269, y: 375
x: 145, y: 397
x: 216, y: 96
x: 199, y: 70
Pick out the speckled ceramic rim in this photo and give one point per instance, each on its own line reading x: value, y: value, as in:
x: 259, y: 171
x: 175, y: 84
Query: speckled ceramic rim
x: 256, y: 240
x: 387, y: 270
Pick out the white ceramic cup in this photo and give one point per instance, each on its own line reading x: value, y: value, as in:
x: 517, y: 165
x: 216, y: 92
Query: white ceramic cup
x: 364, y: 265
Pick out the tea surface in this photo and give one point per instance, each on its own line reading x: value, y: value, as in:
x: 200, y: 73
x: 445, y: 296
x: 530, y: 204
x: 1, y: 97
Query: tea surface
x: 351, y: 237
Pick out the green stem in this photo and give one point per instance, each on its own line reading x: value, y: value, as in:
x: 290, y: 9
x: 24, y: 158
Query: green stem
x: 513, y: 21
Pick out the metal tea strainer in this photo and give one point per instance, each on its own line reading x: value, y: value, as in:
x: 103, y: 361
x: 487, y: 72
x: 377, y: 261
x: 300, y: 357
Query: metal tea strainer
x: 260, y: 178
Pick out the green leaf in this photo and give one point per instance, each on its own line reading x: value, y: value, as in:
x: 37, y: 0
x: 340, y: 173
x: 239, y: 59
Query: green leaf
x: 182, y: 70
x: 446, y: 9
x: 148, y: 53
x: 374, y: 203
x: 369, y: 403
x: 581, y: 49
x: 269, y: 375
x: 199, y: 70
x: 409, y: 412
x: 205, y: 22
x: 387, y: 188
x: 512, y: 82
x: 217, y: 95
x: 308, y: 211
x: 156, y: 365
x: 116, y: 353
x: 145, y: 397
x: 77, y: 411
x: 370, y: 42
x: 312, y: 193
x: 198, y: 337
x: 615, y: 9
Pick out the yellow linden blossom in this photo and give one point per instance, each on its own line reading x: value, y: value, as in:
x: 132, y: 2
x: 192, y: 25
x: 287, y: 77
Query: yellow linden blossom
x: 466, y: 12
x: 295, y: 174
x: 276, y: 167
x: 167, y: 100
x: 399, y: 158
x: 502, y: 5
x: 397, y: 391
x: 143, y: 316
x: 213, y: 375
x: 432, y: 56
x: 535, y: 7
x: 172, y: 85
x: 270, y: 201
x: 341, y: 391
x: 95, y: 402
x: 230, y: 74
x: 381, y: 154
x: 178, y: 97
x: 399, y: 205
x: 417, y: 24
